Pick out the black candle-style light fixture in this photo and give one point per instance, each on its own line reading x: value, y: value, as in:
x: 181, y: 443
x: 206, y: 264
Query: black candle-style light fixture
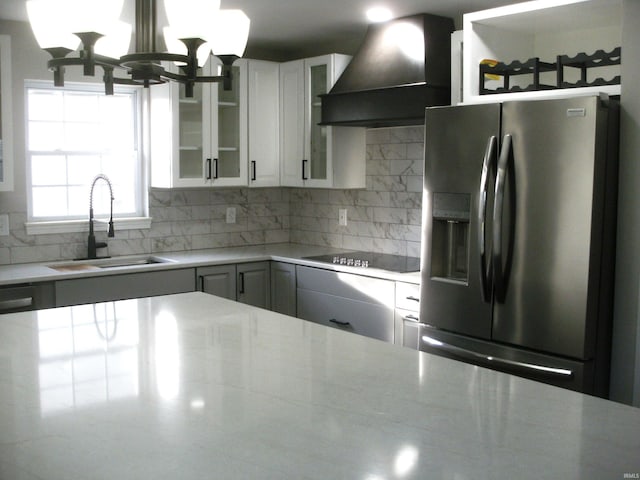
x: 196, y: 29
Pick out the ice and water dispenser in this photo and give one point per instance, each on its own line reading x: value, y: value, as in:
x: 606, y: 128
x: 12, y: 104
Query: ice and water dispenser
x: 450, y: 236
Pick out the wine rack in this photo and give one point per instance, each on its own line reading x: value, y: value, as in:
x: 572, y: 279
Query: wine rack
x: 535, y: 68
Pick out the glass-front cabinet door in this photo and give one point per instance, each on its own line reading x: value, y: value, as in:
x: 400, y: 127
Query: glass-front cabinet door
x: 6, y: 120
x: 199, y: 141
x: 230, y: 161
x: 317, y: 155
x: 308, y: 149
x: 193, y: 134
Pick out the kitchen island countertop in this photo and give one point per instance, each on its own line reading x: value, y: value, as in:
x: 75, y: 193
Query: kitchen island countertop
x: 193, y: 386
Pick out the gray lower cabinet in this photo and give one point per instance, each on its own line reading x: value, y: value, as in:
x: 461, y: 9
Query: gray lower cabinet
x: 407, y: 314
x: 253, y: 284
x: 120, y: 287
x: 245, y: 282
x: 283, y: 288
x: 350, y: 302
x: 219, y: 280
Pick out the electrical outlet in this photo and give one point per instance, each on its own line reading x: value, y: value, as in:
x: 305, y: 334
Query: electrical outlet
x: 231, y: 214
x: 342, y: 217
x: 4, y: 225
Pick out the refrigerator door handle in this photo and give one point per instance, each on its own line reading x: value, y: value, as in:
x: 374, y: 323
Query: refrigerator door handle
x: 485, y: 258
x: 498, y: 209
x: 489, y: 361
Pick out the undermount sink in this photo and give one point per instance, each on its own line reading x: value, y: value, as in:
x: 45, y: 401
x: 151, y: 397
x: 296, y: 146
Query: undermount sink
x: 104, y: 263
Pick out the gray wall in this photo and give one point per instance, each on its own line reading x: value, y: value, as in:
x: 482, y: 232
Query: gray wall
x: 625, y: 360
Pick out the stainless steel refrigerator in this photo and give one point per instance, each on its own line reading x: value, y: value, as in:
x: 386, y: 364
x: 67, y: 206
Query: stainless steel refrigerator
x: 519, y: 215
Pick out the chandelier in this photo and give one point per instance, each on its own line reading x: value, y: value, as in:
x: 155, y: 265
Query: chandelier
x: 197, y: 29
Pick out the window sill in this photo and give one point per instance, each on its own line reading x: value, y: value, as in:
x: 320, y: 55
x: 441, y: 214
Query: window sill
x: 78, y: 226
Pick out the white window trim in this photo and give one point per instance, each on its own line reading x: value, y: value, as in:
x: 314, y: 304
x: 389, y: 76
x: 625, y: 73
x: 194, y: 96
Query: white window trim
x: 82, y: 225
x: 78, y: 226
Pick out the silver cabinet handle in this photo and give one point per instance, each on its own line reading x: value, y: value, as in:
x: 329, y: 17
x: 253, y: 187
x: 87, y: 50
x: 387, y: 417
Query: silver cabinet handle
x: 412, y: 298
x: 415, y: 320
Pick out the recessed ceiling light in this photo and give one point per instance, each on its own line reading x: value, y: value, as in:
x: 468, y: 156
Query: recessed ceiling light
x: 379, y: 14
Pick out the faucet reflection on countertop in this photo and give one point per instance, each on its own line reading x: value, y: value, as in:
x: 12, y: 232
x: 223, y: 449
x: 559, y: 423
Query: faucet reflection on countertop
x: 92, y: 245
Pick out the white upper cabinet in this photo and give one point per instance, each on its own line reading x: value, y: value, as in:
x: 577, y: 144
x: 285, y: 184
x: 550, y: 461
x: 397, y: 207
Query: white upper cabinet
x: 313, y: 155
x: 544, y: 30
x: 264, y: 132
x: 199, y: 141
x: 264, y: 123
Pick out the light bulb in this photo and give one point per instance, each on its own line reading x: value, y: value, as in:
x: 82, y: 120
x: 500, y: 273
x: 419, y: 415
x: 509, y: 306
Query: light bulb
x: 229, y: 33
x: 116, y: 41
x: 191, y: 18
x: 50, y: 26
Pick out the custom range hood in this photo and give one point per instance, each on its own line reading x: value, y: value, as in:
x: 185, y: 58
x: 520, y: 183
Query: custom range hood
x: 402, y: 66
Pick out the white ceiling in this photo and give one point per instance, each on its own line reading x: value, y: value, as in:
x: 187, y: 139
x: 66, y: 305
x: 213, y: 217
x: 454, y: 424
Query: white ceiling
x: 284, y: 29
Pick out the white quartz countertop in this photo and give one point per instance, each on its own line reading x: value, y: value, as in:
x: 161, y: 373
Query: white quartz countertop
x: 285, y: 252
x: 193, y: 386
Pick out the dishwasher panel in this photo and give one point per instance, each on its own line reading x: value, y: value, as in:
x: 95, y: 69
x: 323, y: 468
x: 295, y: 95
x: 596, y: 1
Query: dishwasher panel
x: 24, y: 297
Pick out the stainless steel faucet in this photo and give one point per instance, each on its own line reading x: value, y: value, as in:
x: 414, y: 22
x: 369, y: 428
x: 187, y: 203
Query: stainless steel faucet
x: 92, y: 245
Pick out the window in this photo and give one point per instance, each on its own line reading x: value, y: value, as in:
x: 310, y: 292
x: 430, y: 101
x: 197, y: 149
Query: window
x: 73, y: 134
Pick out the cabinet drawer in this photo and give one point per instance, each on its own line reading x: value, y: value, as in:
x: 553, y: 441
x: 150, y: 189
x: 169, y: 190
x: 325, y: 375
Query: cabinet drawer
x: 355, y: 316
x: 408, y: 296
x: 355, y: 287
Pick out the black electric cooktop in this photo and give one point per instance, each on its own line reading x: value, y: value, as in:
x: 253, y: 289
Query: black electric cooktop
x: 382, y: 261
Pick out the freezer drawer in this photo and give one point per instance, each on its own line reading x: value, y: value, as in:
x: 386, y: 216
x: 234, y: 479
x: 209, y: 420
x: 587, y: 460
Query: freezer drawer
x: 558, y: 371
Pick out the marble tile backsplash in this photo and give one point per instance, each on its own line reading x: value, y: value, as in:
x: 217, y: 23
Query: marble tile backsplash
x: 182, y: 220
x: 385, y: 217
